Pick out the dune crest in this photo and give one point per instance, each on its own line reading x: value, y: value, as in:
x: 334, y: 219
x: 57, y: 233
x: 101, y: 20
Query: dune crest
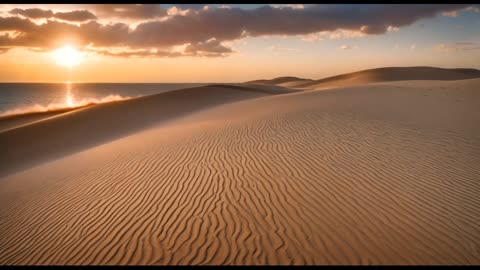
x: 282, y: 81
x: 385, y: 74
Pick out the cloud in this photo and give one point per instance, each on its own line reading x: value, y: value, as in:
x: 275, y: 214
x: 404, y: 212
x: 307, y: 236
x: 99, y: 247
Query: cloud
x: 282, y: 49
x: 76, y: 16
x: 337, y: 34
x: 457, y: 46
x: 128, y: 11
x: 347, y: 47
x: 205, y: 31
x: 234, y: 23
x: 190, y: 6
x: 16, y: 24
x: 450, y: 13
x: 474, y: 8
x: 151, y: 53
x: 392, y: 29
x: 292, y: 6
x: 37, y: 13
x: 312, y: 37
x: 344, y: 34
x: 33, y: 13
x: 208, y: 48
x: 53, y: 33
x: 455, y: 13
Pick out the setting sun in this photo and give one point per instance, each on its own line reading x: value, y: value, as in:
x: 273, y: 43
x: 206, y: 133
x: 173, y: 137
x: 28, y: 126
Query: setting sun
x: 68, y: 56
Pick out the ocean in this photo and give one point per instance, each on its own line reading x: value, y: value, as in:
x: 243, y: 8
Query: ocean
x: 21, y: 98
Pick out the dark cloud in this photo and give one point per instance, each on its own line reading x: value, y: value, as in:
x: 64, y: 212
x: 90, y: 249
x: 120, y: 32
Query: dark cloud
x: 128, y: 11
x: 54, y: 33
x: 204, y: 30
x: 369, y: 19
x: 76, y: 16
x: 33, y: 13
x: 234, y: 23
x: 190, y: 6
x: 16, y: 24
x: 37, y: 13
x: 210, y: 47
x: 138, y: 53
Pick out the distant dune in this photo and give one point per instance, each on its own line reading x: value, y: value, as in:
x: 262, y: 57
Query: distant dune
x: 250, y: 174
x: 378, y: 75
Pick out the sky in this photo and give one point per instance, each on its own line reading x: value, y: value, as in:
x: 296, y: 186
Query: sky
x: 229, y: 43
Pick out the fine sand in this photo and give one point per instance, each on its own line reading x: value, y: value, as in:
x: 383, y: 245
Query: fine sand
x: 372, y: 174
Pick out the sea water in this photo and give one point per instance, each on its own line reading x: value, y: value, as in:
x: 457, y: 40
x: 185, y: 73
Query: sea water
x: 20, y: 98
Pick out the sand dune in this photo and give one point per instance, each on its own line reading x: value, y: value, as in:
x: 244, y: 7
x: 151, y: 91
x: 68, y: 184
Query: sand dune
x: 376, y: 174
x: 83, y: 128
x: 379, y: 75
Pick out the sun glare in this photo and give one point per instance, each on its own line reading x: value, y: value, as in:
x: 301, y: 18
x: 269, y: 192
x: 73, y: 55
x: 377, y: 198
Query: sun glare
x: 68, y: 56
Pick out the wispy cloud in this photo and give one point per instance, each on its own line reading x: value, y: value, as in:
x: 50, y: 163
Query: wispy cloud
x: 450, y: 13
x: 312, y: 37
x: 474, y: 8
x: 292, y: 6
x: 457, y: 46
x: 337, y: 34
x: 282, y: 49
x: 348, y: 47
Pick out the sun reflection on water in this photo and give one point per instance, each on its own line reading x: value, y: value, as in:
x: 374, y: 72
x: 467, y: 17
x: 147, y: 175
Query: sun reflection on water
x: 69, y: 99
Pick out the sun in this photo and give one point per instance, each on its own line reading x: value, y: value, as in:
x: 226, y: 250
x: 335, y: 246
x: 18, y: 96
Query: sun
x: 68, y: 56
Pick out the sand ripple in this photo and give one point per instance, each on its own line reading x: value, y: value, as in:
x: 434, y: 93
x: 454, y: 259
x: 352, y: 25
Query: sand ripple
x: 281, y: 185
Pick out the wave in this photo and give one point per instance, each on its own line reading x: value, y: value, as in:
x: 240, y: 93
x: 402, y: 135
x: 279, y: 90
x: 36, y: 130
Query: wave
x: 60, y: 107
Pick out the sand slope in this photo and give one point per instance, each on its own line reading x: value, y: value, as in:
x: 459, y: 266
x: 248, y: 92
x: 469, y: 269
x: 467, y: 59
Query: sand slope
x: 83, y: 128
x: 379, y: 75
x: 383, y: 174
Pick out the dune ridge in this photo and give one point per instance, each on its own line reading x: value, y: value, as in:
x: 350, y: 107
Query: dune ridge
x: 59, y: 107
x: 282, y: 81
x: 11, y: 121
x: 379, y: 174
x: 384, y: 74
